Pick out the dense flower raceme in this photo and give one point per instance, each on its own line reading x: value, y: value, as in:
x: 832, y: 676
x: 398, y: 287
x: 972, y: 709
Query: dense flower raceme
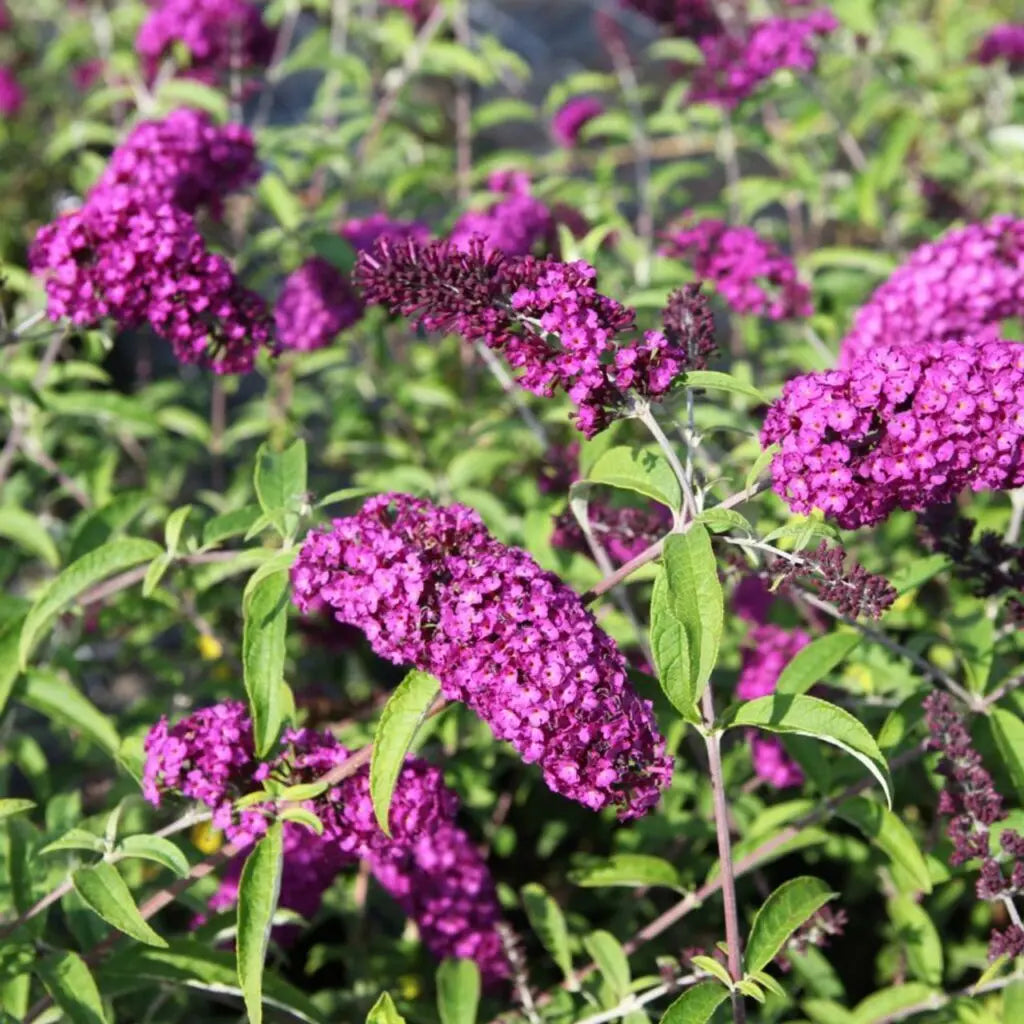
x: 579, y: 346
x: 752, y: 274
x: 428, y: 864
x: 432, y: 588
x: 185, y: 160
x: 1004, y: 42
x: 969, y: 279
x: 125, y: 259
x: 316, y: 303
x: 974, y: 807
x: 12, y: 95
x: 217, y: 34
x: 513, y: 224
x: 770, y: 649
x: 903, y: 428
x: 734, y: 65
x: 570, y: 118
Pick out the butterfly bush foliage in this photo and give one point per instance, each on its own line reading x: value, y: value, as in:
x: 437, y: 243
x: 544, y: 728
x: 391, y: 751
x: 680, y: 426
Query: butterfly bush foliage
x: 511, y: 513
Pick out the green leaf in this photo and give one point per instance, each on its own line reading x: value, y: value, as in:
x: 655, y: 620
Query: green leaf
x: 399, y: 722
x: 280, y: 482
x: 56, y: 697
x: 1008, y: 731
x: 458, y: 991
x: 72, y: 988
x: 713, y: 967
x: 811, y: 664
x: 14, y: 805
x: 715, y: 380
x: 884, y: 1005
x: 890, y: 835
x: 173, y: 528
x: 919, y: 571
x: 281, y: 201
x: 10, y: 637
x: 78, y: 577
x: 547, y: 921
x: 760, y: 464
x: 258, y: 890
x: 29, y: 534
x: 919, y: 938
x: 155, y: 573
x: 974, y: 637
x: 157, y: 849
x: 76, y: 839
x: 671, y: 650
x: 605, y: 950
x: 645, y: 471
x: 808, y: 716
x: 384, y: 1011
x: 870, y: 260
x: 788, y: 907
x: 697, y: 1004
x: 629, y: 869
x: 695, y: 599
x: 721, y: 520
x: 263, y: 651
x: 106, y: 892
x: 194, y: 965
x: 230, y: 524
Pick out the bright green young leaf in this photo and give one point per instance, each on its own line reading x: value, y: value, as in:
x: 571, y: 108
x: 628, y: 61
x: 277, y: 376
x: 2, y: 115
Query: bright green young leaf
x: 304, y: 817
x: 1008, y: 730
x: 695, y: 599
x: 173, y: 528
x: 713, y: 967
x: 29, y: 534
x: 811, y: 664
x: 919, y: 939
x: 629, y: 869
x: 722, y: 520
x: 72, y: 987
x: 606, y: 951
x: 263, y: 651
x: 399, y: 722
x: 759, y: 465
x: 157, y: 849
x: 808, y: 716
x: 458, y: 991
x: 714, y: 380
x: 887, y: 831
x: 14, y: 805
x: 195, y: 965
x: 280, y: 482
x: 76, y: 839
x: 750, y: 988
x: 547, y: 921
x: 697, y: 1004
x: 384, y: 1011
x: 788, y: 907
x: 258, y: 890
x: 106, y: 892
x: 56, y: 697
x: 671, y: 650
x: 78, y: 577
x: 645, y: 471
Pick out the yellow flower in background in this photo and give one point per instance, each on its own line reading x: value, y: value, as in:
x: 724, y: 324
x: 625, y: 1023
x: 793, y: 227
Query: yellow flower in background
x: 409, y: 986
x: 210, y: 648
x: 861, y: 675
x: 206, y: 839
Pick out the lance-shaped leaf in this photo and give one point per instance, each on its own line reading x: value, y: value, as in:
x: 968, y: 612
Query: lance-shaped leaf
x: 629, y: 869
x: 263, y: 650
x: 780, y: 915
x: 458, y: 991
x: 812, y: 663
x: 258, y: 890
x: 106, y: 892
x: 808, y: 716
x: 399, y: 722
x: 384, y: 1011
x: 645, y: 471
x: 280, y: 482
x: 547, y: 921
x: 887, y: 831
x: 156, y: 849
x: 72, y: 988
x: 697, y: 1004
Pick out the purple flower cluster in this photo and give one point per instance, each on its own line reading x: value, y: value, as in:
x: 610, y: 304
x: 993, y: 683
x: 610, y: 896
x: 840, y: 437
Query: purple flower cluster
x: 362, y: 232
x: 735, y: 65
x: 125, y: 259
x: 904, y: 428
x: 432, y: 588
x: 428, y: 863
x: 970, y: 800
x: 570, y: 118
x: 545, y: 316
x: 184, y: 160
x: 316, y: 303
x: 969, y: 279
x: 751, y: 273
x: 1003, y: 42
x: 217, y: 35
x: 771, y: 649
x: 688, y: 19
x: 513, y: 224
x: 12, y: 95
